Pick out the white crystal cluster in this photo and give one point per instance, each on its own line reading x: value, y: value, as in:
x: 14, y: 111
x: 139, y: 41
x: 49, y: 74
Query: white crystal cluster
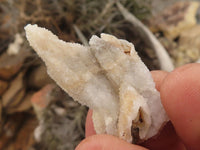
x: 108, y: 77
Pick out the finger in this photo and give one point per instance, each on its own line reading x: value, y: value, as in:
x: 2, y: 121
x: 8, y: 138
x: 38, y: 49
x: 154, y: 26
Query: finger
x: 89, y: 127
x: 106, y: 142
x: 167, y: 138
x: 180, y: 94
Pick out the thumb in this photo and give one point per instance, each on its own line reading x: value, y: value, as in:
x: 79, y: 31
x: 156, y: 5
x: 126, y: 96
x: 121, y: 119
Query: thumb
x: 106, y: 142
x: 180, y: 94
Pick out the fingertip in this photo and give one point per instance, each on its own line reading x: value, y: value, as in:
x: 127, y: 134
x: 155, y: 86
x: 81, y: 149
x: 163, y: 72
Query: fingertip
x: 106, y: 142
x: 180, y: 94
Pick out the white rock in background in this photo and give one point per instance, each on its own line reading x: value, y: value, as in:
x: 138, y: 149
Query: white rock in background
x: 173, y: 20
x: 14, y: 48
x: 118, y: 87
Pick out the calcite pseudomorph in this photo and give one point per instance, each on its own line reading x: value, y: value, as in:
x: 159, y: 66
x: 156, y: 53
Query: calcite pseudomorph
x: 108, y: 77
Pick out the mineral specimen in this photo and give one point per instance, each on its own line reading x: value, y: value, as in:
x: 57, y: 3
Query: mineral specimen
x: 108, y: 77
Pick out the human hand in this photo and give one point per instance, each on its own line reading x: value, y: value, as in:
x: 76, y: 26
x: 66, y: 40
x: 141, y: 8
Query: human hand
x: 180, y: 95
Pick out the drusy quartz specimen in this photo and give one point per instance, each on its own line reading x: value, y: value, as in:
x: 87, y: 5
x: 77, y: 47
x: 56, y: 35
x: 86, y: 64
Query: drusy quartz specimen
x: 109, y: 77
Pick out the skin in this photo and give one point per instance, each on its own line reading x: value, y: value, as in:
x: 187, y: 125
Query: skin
x: 180, y: 95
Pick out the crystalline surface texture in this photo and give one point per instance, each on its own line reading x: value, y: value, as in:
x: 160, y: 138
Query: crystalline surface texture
x: 118, y: 87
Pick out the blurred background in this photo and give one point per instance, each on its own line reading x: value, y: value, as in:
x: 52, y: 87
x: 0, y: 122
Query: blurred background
x: 35, y: 114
